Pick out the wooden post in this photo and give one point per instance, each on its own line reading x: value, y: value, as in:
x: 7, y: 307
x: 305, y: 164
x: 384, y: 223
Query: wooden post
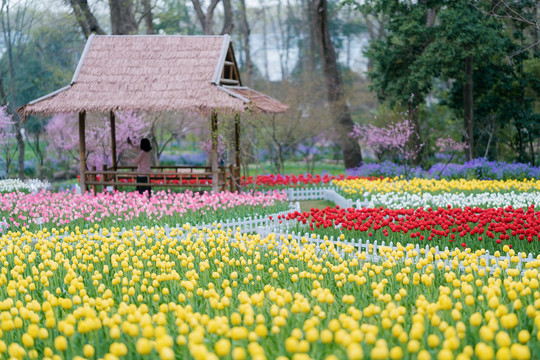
x: 82, y: 149
x: 113, y: 140
x: 214, y: 135
x: 104, y: 177
x: 93, y: 178
x: 236, y: 174
x: 113, y: 143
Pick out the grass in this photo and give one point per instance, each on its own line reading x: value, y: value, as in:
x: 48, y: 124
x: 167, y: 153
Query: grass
x: 307, y: 205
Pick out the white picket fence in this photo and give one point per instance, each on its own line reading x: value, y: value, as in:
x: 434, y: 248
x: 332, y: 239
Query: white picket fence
x: 324, y: 193
x: 373, y: 250
x: 252, y: 224
x: 315, y: 193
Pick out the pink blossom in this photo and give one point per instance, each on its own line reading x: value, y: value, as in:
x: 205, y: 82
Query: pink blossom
x: 394, y: 137
x: 7, y: 126
x: 63, y: 133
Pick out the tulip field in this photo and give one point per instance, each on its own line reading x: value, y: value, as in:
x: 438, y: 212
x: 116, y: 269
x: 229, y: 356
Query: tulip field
x: 123, y: 276
x: 129, y: 209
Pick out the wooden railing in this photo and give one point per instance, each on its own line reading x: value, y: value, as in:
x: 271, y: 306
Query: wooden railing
x: 160, y: 176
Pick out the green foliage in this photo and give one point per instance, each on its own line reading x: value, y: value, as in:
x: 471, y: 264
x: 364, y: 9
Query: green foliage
x: 424, y: 53
x: 400, y: 69
x: 173, y: 17
x: 43, y: 61
x: 48, y: 57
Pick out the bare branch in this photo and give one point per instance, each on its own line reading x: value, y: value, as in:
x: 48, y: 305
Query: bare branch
x: 509, y: 13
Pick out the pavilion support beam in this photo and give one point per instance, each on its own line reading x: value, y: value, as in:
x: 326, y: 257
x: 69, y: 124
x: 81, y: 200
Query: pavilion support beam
x: 113, y: 142
x: 82, y: 150
x: 236, y: 179
x: 214, y: 154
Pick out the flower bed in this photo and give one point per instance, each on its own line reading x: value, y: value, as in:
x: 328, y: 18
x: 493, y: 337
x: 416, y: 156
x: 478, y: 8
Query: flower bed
x: 30, y: 185
x: 206, y: 294
x: 129, y: 209
x: 357, y: 188
x: 396, y: 200
x: 474, y: 228
x: 479, y: 168
x: 292, y: 180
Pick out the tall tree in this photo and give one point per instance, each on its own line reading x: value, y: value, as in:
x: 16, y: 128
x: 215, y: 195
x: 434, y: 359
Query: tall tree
x: 449, y: 46
x: 400, y: 75
x: 148, y: 16
x: 228, y: 16
x: 352, y: 154
x: 207, y: 18
x: 122, y: 15
x: 53, y: 49
x: 14, y: 29
x: 123, y: 20
x: 246, y: 31
x: 85, y: 18
x: 457, y: 54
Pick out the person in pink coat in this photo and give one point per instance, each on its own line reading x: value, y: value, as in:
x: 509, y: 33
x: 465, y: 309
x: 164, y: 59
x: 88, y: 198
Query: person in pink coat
x: 144, y: 163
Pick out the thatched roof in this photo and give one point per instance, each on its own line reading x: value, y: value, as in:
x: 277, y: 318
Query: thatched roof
x: 155, y: 73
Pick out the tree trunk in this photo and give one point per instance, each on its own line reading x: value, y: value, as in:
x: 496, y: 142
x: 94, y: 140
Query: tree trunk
x: 535, y: 30
x: 313, y: 35
x: 228, y: 23
x: 302, y: 28
x: 6, y: 27
x: 265, y: 44
x: 246, y: 31
x: 80, y: 18
x: 85, y: 18
x: 531, y: 150
x: 416, y: 140
x: 280, y: 29
x: 148, y: 17
x: 468, y: 103
x: 352, y: 154
x: 122, y: 17
x: 3, y: 96
x: 206, y: 20
x: 370, y: 24
x: 21, y: 144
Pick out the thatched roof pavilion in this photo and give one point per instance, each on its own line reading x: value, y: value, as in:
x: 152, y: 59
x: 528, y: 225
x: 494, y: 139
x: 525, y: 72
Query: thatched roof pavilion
x: 154, y: 73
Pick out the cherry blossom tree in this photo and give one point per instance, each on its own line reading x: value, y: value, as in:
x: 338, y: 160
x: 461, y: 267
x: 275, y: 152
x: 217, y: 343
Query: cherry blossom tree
x: 399, y: 138
x: 63, y: 134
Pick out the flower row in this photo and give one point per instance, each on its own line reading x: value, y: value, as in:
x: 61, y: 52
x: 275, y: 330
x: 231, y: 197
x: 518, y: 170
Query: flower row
x: 397, y: 200
x: 211, y: 293
x: 356, y: 188
x: 272, y: 180
x: 31, y: 185
x: 55, y: 209
x: 479, y: 168
x: 476, y: 228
